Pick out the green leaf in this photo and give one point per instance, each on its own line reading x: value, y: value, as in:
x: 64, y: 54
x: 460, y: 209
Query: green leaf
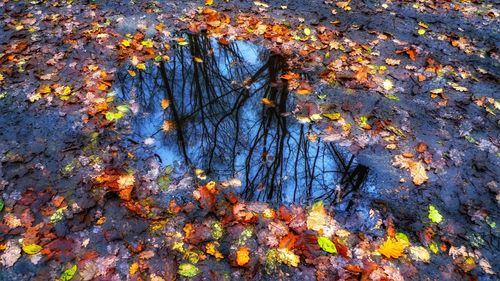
x: 68, y: 273
x: 123, y: 108
x: 32, y: 249
x: 392, y: 97
x: 434, y: 215
x: 111, y: 116
x: 327, y: 245
x: 188, y: 270
x: 58, y: 215
x: 2, y: 204
x: 307, y: 31
x: 434, y: 248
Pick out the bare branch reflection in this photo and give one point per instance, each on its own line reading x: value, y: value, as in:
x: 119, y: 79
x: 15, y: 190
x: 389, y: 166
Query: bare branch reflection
x: 220, y: 124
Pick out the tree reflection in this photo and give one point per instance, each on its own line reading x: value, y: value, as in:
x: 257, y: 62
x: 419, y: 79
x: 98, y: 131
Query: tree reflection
x: 221, y: 125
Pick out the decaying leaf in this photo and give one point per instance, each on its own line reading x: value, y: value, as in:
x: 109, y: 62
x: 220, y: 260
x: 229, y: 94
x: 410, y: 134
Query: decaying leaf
x: 288, y: 257
x: 416, y: 168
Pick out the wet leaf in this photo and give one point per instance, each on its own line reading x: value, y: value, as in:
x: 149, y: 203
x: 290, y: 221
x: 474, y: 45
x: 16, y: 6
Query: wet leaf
x: 288, y: 257
x: 2, y: 204
x: 434, y: 215
x: 242, y: 256
x: 392, y: 248
x: 209, y: 2
x: 212, y: 250
x: 420, y: 254
x: 141, y: 66
x: 188, y: 270
x: 58, y: 215
x: 68, y: 273
x: 327, y: 245
x: 332, y: 116
x: 307, y: 31
x: 416, y: 168
x: 316, y: 219
x: 133, y: 268
x: 165, y: 103
x: 32, y: 249
x: 388, y: 85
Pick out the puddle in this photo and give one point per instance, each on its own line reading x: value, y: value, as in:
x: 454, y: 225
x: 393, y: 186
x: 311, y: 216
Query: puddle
x: 216, y: 120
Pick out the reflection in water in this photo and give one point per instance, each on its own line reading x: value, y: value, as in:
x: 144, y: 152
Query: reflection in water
x: 220, y: 124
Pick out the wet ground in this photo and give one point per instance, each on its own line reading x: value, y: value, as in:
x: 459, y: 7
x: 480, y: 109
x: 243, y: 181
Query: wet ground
x: 222, y: 111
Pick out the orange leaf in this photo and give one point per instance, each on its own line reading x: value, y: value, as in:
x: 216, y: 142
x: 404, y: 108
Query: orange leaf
x: 242, y: 256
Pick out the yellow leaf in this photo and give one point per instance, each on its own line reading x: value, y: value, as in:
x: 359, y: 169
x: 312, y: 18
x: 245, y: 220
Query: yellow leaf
x: 209, y: 2
x: 242, y: 256
x: 267, y: 102
x: 131, y: 72
x: 198, y: 60
x: 133, y: 268
x: 258, y: 3
x: 317, y: 217
x: 212, y: 250
x: 288, y: 257
x: 44, y: 89
x: 141, y: 66
x: 147, y: 43
x: 125, y: 43
x: 392, y: 248
x: 32, y: 249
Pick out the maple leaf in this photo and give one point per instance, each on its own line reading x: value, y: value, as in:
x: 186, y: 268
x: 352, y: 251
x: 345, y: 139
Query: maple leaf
x: 242, y: 256
x: 392, y: 248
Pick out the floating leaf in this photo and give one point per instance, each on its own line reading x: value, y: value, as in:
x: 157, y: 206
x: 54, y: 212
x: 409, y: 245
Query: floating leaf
x: 434, y: 215
x: 327, y: 245
x: 2, y: 204
x: 392, y: 248
x: 165, y: 103
x: 188, y: 270
x: 307, y: 31
x: 68, y: 273
x: 32, y: 249
x: 141, y: 66
x: 112, y: 116
x: 242, y: 256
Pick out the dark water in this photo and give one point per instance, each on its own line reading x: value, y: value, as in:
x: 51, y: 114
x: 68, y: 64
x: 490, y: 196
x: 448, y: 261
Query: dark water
x: 217, y: 122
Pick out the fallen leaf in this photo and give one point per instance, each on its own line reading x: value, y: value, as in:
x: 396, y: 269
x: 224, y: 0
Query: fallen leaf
x: 32, y: 249
x: 68, y: 273
x: 416, y: 168
x: 188, y: 270
x: 434, y: 215
x: 242, y: 256
x: 327, y: 245
x: 392, y: 248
